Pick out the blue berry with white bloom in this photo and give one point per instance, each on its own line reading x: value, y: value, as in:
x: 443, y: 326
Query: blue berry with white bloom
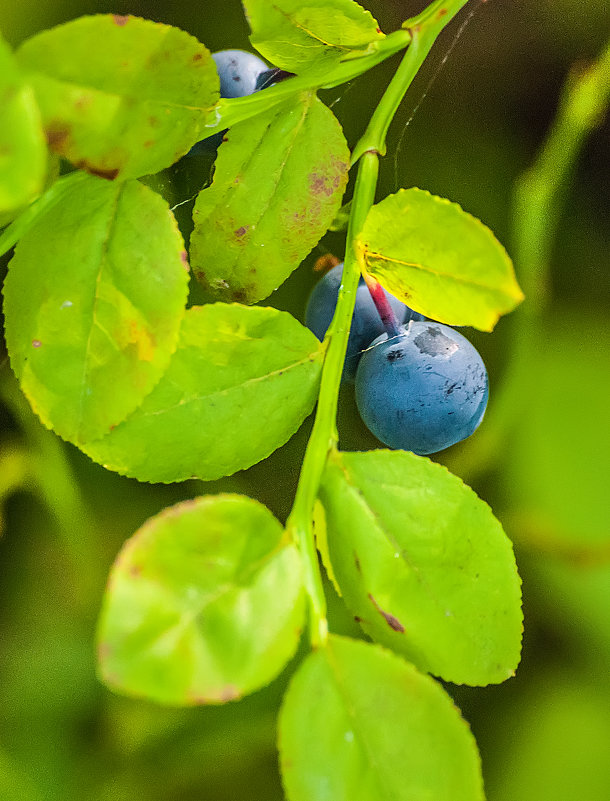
x: 422, y: 390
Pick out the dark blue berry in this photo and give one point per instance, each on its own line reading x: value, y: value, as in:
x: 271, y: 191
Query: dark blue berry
x: 366, y: 322
x: 423, y: 390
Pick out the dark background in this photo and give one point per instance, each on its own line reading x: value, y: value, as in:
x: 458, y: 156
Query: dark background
x: 544, y: 734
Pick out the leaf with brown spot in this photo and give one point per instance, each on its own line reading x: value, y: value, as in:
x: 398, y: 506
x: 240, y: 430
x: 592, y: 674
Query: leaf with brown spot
x: 393, y: 622
x: 149, y: 83
x: 93, y: 301
x: 435, y: 577
x: 215, y: 610
x: 278, y: 184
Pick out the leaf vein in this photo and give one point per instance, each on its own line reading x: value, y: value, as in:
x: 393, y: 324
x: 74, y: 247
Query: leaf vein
x: 424, y: 268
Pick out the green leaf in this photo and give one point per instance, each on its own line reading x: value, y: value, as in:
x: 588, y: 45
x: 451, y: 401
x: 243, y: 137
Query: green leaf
x: 93, y: 302
x: 311, y: 36
x: 23, y: 153
x: 204, y: 604
x: 359, y: 723
x: 23, y: 221
x: 423, y: 564
x: 120, y: 96
x: 278, y: 184
x: 438, y: 259
x: 239, y: 385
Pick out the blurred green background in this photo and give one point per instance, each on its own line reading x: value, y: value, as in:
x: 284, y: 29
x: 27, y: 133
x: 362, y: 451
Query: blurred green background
x: 544, y: 734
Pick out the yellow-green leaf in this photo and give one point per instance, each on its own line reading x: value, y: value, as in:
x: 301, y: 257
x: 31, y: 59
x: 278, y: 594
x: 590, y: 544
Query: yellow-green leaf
x: 314, y: 35
x: 438, y: 259
x: 423, y: 564
x: 120, y: 96
x: 278, y: 184
x: 93, y: 302
x: 204, y: 604
x: 359, y: 723
x: 240, y: 383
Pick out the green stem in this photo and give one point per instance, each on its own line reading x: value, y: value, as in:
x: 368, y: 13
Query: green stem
x: 324, y: 436
x: 539, y: 191
x: 424, y: 31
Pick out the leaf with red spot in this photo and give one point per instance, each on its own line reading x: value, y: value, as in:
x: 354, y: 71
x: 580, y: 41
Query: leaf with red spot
x: 93, y: 303
x: 204, y: 604
x: 423, y: 564
x: 128, y: 108
x: 277, y: 187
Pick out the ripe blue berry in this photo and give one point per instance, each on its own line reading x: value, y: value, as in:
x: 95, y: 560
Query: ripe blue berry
x: 366, y: 322
x: 423, y: 390
x: 238, y: 71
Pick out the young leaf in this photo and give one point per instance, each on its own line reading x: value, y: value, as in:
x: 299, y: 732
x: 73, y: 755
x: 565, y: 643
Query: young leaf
x: 23, y: 152
x: 93, y: 302
x: 120, y: 96
x: 423, y: 564
x: 438, y: 259
x: 241, y: 382
x: 359, y: 723
x: 313, y: 36
x: 278, y: 184
x: 204, y: 604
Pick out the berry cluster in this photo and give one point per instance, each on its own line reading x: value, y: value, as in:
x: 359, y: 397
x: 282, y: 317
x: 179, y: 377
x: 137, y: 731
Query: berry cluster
x: 420, y: 386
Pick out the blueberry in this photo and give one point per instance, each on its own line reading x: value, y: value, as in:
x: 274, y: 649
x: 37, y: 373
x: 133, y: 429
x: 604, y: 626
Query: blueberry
x: 238, y: 71
x: 423, y: 390
x: 366, y: 322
